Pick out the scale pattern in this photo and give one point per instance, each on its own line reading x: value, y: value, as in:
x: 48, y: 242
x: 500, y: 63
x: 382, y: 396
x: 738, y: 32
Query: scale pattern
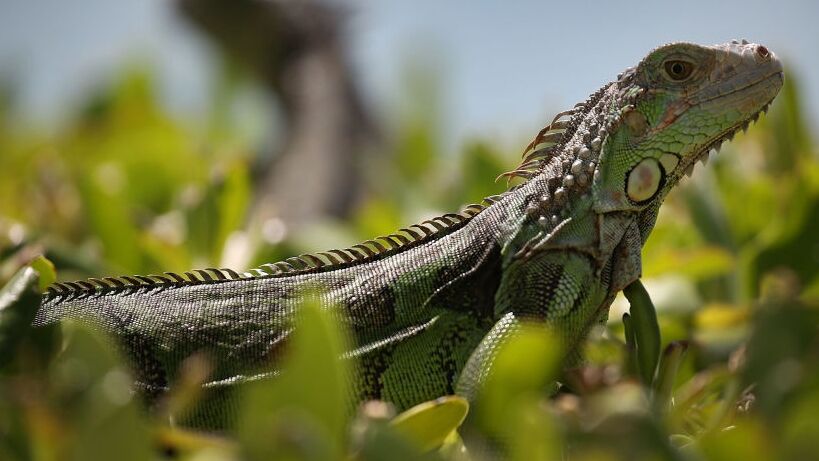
x: 429, y: 306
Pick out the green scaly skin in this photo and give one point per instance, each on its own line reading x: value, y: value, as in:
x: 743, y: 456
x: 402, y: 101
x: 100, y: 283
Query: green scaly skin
x: 427, y: 307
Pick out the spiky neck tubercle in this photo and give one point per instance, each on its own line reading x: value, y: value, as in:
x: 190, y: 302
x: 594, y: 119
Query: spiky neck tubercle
x: 563, y: 156
x: 566, y: 153
x: 564, y: 159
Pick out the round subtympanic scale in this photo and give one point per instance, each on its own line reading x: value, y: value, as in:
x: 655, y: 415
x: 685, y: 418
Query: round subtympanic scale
x: 643, y: 180
x: 669, y: 162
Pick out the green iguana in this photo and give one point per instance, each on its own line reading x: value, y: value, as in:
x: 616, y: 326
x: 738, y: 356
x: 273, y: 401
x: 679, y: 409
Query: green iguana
x: 428, y: 305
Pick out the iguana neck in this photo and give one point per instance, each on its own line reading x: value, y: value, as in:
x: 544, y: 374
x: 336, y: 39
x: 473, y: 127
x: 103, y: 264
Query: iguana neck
x: 559, y: 190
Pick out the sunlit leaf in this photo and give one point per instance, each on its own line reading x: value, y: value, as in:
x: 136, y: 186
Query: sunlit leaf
x: 509, y: 405
x: 302, y: 412
x: 720, y: 317
x: 430, y: 423
x: 45, y: 269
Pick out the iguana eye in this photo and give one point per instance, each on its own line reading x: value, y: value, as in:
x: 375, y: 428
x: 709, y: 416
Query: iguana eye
x: 678, y: 70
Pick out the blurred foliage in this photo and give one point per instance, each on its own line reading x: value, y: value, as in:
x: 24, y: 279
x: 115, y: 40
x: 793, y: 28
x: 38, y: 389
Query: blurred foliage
x: 124, y: 187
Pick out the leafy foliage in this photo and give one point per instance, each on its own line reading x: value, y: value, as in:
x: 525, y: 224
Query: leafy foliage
x: 732, y: 267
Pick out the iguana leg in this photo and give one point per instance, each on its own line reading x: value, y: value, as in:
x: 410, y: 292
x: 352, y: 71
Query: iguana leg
x: 477, y: 367
x: 558, y: 288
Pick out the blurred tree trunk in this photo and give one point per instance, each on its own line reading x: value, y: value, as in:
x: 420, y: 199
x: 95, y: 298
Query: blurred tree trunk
x: 296, y: 48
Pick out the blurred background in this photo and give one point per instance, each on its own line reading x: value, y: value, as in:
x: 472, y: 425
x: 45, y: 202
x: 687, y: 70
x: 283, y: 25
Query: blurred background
x: 161, y: 135
x: 152, y: 136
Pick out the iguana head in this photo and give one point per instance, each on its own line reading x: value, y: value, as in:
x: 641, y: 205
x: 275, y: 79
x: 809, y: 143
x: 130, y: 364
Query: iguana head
x: 671, y: 110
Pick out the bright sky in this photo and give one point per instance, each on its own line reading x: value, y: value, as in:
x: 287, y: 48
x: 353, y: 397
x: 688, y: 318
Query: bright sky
x: 504, y: 66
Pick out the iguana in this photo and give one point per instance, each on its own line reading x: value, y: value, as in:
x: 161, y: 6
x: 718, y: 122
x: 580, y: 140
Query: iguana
x: 428, y: 305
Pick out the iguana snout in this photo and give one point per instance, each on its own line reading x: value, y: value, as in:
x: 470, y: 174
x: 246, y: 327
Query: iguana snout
x: 672, y: 109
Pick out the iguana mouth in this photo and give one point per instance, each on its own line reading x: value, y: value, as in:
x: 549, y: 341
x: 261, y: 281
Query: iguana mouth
x: 772, y: 76
x: 728, y: 134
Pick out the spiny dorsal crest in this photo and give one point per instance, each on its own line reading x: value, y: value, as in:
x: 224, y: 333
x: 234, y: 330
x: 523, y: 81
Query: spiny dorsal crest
x: 367, y: 251
x: 553, y: 138
x: 549, y: 141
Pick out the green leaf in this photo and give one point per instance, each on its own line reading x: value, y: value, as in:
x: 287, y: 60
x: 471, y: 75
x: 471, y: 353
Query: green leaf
x: 511, y: 402
x: 377, y: 217
x: 479, y: 163
x: 535, y: 435
x: 748, y: 440
x: 631, y: 365
x: 523, y: 367
x: 791, y: 250
x: 44, y: 267
x: 232, y: 203
x: 19, y: 301
x: 108, y: 216
x: 781, y: 354
x: 186, y: 444
x: 92, y: 391
x: 800, y: 427
x: 646, y: 330
x: 708, y: 215
x: 302, y: 413
x: 430, y: 423
x: 666, y: 375
x: 380, y: 442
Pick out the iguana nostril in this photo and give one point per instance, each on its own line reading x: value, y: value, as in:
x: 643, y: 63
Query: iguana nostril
x: 762, y: 51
